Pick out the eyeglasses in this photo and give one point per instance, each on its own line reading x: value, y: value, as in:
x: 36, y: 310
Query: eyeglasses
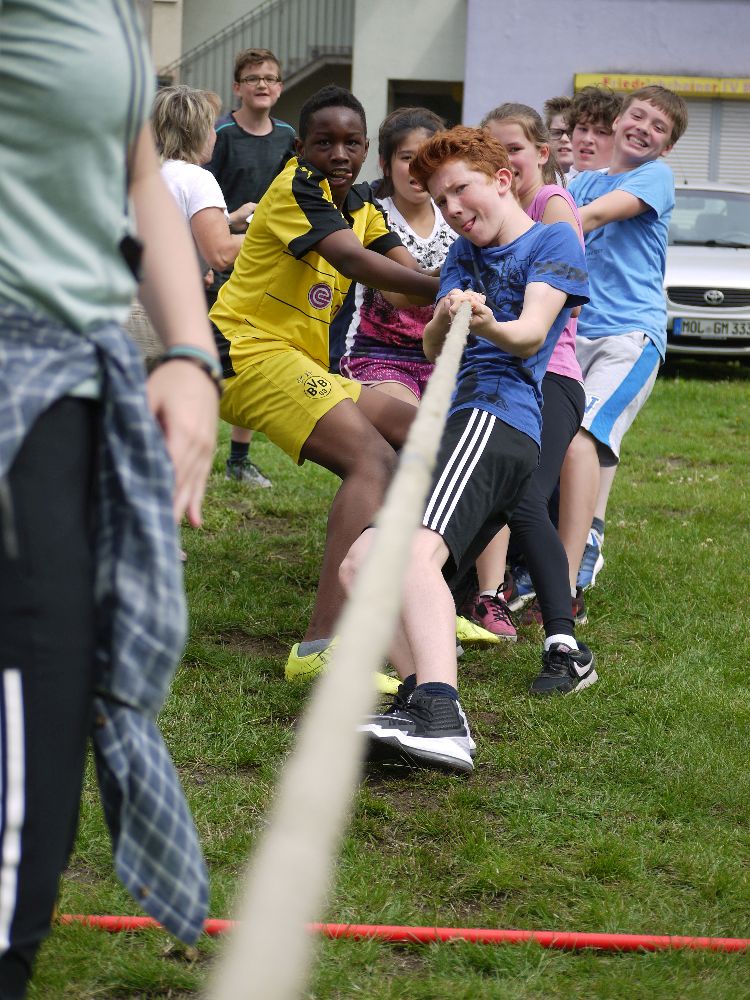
x: 558, y: 133
x: 255, y: 80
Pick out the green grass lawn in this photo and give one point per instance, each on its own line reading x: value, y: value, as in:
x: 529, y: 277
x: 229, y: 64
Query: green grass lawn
x: 625, y: 808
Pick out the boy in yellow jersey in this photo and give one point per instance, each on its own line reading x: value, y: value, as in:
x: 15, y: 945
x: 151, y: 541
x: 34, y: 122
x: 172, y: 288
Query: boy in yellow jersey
x: 313, y: 233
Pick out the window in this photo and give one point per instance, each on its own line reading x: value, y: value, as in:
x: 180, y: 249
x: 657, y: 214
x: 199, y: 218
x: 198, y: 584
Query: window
x: 443, y: 97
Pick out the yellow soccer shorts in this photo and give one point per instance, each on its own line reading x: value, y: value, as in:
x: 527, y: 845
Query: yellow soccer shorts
x: 281, y: 392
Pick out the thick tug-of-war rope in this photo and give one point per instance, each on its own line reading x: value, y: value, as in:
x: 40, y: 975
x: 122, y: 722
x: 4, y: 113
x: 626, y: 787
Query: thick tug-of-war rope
x: 561, y: 940
x: 268, y: 954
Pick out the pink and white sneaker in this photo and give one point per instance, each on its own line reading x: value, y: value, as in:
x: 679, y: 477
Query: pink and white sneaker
x: 493, y: 614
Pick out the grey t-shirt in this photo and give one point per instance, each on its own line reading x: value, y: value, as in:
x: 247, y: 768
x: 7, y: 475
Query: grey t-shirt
x: 63, y: 167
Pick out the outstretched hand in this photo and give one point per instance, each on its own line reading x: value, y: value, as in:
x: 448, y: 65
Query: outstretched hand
x: 184, y: 402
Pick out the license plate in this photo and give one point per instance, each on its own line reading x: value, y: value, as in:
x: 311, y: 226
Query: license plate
x: 714, y: 329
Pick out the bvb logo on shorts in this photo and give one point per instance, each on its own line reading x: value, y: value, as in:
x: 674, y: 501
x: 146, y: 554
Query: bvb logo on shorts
x: 320, y: 295
x: 316, y: 386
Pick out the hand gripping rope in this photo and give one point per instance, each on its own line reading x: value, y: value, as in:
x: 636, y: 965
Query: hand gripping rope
x: 269, y: 950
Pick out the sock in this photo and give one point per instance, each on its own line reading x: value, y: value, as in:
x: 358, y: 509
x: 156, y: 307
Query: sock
x: 409, y: 683
x: 568, y: 640
x: 313, y: 646
x: 598, y: 525
x: 238, y: 451
x: 492, y: 593
x: 433, y: 688
x: 573, y: 593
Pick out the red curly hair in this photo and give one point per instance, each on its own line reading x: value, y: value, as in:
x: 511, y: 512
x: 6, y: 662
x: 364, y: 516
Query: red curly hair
x: 475, y: 146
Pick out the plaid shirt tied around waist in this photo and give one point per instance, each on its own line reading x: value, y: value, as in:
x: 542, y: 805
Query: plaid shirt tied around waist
x: 141, y: 614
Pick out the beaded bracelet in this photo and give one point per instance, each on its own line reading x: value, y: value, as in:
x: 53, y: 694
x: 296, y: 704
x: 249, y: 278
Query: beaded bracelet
x: 205, y: 361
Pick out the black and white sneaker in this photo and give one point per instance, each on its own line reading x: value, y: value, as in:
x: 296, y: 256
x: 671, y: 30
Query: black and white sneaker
x: 565, y: 670
x: 421, y: 729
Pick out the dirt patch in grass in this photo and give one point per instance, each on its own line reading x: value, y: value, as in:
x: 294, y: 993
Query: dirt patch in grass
x: 673, y: 462
x: 264, y: 523
x: 405, y: 789
x: 205, y: 774
x: 401, y: 786
x: 252, y: 645
x: 487, y: 719
x: 490, y: 726
x: 79, y: 871
x: 406, y: 958
x: 476, y: 912
x: 161, y: 995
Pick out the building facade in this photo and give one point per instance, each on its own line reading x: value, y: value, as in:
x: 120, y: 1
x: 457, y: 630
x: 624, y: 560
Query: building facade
x: 463, y: 57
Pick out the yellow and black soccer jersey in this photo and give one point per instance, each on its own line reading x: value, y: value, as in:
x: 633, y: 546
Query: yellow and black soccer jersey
x: 281, y: 290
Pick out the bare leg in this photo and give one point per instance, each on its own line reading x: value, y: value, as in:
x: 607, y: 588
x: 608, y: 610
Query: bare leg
x: 607, y: 475
x: 400, y: 654
x: 491, y: 563
x: 396, y: 389
x: 425, y: 642
x: 579, y: 488
x: 391, y: 417
x: 241, y: 435
x: 346, y: 442
x: 428, y: 614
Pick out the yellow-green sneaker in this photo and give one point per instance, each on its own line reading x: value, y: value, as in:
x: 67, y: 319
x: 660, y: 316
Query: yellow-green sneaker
x: 470, y: 634
x: 306, y: 668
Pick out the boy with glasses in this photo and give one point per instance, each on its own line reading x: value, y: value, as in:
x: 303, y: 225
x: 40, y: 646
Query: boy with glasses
x: 555, y: 118
x: 251, y: 148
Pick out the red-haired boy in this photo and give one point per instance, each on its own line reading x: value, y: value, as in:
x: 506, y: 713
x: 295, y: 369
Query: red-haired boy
x: 521, y: 278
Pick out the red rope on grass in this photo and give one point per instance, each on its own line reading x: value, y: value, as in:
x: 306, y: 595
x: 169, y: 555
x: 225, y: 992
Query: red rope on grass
x: 563, y: 940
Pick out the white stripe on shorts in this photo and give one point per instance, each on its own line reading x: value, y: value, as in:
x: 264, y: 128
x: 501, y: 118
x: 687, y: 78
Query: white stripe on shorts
x: 12, y: 794
x: 458, y: 470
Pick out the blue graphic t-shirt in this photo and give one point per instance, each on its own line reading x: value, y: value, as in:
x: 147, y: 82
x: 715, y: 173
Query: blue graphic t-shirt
x: 490, y: 378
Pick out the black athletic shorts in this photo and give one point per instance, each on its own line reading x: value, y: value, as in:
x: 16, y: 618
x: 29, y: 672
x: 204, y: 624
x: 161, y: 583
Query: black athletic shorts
x: 483, y: 467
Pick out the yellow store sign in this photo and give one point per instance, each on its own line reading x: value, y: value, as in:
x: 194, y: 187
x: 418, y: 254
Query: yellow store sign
x: 723, y: 87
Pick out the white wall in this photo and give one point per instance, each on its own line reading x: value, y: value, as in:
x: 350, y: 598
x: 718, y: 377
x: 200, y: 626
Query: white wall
x: 403, y: 40
x: 166, y: 31
x: 529, y: 50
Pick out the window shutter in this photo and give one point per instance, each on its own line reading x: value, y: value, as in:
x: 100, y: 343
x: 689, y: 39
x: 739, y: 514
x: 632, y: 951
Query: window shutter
x: 734, y: 143
x: 690, y: 157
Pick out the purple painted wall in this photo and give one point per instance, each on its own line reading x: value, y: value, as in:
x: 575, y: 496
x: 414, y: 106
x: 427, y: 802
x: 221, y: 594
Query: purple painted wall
x: 529, y: 50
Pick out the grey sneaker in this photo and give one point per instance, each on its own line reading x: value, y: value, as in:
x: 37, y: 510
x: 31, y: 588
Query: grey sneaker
x: 247, y: 473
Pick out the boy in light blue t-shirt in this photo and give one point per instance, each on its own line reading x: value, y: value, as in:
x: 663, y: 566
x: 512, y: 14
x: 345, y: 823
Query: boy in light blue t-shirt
x: 622, y: 331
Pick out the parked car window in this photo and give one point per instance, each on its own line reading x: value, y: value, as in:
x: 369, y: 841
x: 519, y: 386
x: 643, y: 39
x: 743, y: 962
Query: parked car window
x: 721, y: 218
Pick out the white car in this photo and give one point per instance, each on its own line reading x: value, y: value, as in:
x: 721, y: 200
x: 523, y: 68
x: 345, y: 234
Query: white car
x: 707, y: 281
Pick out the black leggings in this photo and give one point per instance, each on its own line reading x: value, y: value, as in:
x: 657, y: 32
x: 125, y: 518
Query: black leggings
x: 46, y: 673
x: 532, y: 530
